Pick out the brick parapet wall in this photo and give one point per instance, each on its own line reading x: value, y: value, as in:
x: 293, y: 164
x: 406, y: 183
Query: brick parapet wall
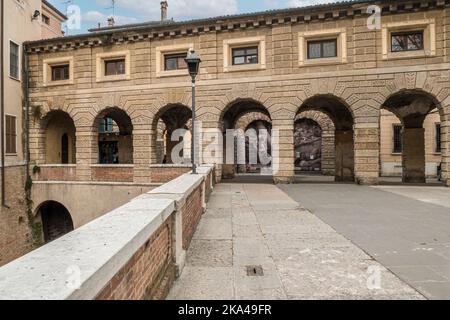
x: 111, y: 173
x: 191, y: 212
x: 130, y: 253
x: 149, y: 273
x: 56, y: 173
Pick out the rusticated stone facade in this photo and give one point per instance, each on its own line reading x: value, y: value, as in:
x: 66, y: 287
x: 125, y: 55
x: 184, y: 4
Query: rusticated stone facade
x: 351, y: 89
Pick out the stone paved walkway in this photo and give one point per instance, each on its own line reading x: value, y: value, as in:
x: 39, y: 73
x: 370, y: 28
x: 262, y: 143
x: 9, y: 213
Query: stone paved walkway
x: 405, y: 228
x: 259, y: 226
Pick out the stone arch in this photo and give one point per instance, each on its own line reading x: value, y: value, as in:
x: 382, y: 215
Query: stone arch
x: 412, y: 107
x: 341, y: 114
x: 165, y: 122
x: 113, y: 129
x: 328, y: 157
x: 245, y: 120
x: 56, y: 220
x: 228, y: 119
x: 52, y: 128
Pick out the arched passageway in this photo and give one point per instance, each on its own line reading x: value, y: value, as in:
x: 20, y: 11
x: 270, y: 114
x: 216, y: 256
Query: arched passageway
x: 60, y: 138
x: 251, y: 140
x: 340, y: 115
x: 114, y: 137
x: 56, y: 220
x: 308, y: 145
x: 416, y: 136
x: 167, y: 139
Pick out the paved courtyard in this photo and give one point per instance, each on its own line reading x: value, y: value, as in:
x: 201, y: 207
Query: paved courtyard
x: 256, y: 242
x: 405, y: 228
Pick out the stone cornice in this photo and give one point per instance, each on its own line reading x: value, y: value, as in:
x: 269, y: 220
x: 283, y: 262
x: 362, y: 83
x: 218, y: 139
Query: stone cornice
x: 130, y: 34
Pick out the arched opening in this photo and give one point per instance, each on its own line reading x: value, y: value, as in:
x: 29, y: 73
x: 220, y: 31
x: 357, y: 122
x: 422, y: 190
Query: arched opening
x: 257, y: 144
x: 114, y: 137
x: 308, y: 145
x: 252, y: 145
x: 56, y: 220
x: 342, y: 119
x: 411, y: 138
x: 166, y: 125
x: 60, y: 139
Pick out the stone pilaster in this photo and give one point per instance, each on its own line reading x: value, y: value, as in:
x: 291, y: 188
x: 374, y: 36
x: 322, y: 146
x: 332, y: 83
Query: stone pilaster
x: 414, y: 155
x: 367, y: 153
x: 86, y: 152
x: 141, y: 153
x: 283, y: 151
x: 345, y: 156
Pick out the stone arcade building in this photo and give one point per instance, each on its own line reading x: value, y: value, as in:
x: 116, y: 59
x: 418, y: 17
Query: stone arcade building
x: 103, y: 105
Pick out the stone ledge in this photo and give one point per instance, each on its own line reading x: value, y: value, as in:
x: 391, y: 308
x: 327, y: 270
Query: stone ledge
x: 99, y: 249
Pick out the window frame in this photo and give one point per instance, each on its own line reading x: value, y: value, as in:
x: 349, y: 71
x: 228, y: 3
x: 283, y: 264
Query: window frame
x: 102, y: 58
x: 428, y: 27
x: 52, y: 67
x: 304, y: 38
x: 237, y: 43
x: 394, y: 140
x: 177, y: 56
x: 115, y: 61
x: 45, y: 19
x: 12, y: 136
x: 12, y: 42
x: 322, y: 42
x: 47, y: 72
x: 245, y: 55
x: 406, y: 33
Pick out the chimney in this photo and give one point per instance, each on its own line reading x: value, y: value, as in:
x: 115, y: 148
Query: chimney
x: 164, y: 6
x: 111, y: 22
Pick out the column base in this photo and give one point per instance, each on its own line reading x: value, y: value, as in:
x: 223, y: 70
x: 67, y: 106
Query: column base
x: 414, y: 180
x: 367, y: 181
x: 447, y: 183
x: 283, y: 180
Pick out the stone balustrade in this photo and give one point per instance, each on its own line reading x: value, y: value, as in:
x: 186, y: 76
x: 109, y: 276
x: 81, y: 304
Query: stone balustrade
x: 133, y: 252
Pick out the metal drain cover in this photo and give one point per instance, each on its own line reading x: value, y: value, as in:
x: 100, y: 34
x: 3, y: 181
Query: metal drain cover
x: 255, y: 271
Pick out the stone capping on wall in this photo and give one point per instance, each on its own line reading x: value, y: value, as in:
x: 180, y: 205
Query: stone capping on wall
x: 171, y: 166
x: 99, y: 250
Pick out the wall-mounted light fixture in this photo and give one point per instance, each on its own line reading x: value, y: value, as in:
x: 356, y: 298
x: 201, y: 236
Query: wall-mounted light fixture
x: 35, y: 15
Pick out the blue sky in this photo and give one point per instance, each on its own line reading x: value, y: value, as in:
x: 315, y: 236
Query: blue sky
x: 132, y: 11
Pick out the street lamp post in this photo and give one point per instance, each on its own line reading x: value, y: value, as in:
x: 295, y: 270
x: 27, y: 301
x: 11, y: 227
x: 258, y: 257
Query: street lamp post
x: 193, y: 62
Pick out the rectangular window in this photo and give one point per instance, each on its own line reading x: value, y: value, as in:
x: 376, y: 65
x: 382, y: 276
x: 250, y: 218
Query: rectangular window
x: 245, y: 56
x: 438, y: 138
x: 114, y: 67
x: 45, y: 19
x: 398, y: 137
x: 14, y: 60
x: 322, y: 49
x: 407, y: 41
x: 175, y: 61
x: 60, y: 73
x: 11, y: 134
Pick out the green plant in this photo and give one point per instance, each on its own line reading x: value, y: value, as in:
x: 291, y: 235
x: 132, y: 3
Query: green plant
x: 36, y: 169
x: 28, y: 184
x: 37, y: 112
x: 35, y: 227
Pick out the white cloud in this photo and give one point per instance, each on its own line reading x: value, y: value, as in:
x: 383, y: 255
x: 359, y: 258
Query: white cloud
x: 95, y: 17
x: 178, y: 9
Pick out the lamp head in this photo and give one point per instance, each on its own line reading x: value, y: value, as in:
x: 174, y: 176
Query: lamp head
x: 193, y: 61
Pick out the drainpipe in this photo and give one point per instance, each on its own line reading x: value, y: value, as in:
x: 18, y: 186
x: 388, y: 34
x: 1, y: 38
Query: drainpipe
x: 2, y: 103
x: 26, y: 116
